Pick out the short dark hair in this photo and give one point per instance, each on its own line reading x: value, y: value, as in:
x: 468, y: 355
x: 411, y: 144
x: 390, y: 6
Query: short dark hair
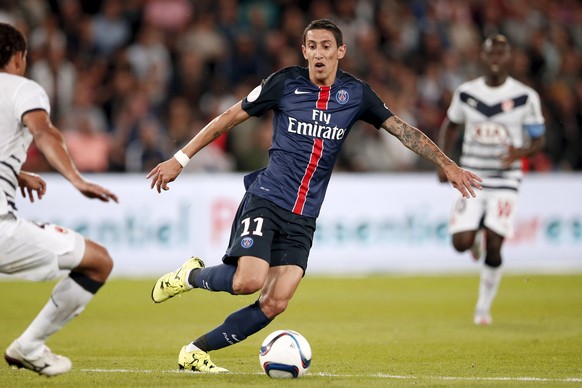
x: 11, y: 42
x: 496, y: 39
x: 325, y: 24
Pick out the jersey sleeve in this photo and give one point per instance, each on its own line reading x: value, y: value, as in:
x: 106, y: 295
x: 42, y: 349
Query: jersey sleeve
x: 375, y: 111
x: 265, y: 96
x: 455, y: 112
x: 30, y: 96
x: 534, y: 119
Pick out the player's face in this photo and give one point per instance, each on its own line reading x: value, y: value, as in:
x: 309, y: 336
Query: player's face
x: 323, y: 55
x: 497, y: 59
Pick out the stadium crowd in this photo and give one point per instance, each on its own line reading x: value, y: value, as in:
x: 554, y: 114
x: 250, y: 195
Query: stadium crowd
x: 131, y: 81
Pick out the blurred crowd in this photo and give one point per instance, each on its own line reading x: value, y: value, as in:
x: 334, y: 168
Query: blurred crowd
x: 132, y: 81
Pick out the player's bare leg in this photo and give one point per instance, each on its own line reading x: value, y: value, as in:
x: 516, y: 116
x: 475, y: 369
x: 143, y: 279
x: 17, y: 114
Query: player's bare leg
x: 68, y: 299
x: 277, y: 289
x: 463, y: 241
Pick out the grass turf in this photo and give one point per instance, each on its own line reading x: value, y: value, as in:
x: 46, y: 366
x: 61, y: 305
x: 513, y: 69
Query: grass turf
x: 368, y: 331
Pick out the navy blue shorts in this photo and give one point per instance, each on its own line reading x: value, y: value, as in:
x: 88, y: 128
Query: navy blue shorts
x: 263, y: 229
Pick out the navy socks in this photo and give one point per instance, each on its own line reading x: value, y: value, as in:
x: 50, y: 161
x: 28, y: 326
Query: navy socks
x: 237, y: 327
x: 216, y: 278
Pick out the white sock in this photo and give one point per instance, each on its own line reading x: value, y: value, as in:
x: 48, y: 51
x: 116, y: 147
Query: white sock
x: 67, y: 301
x: 191, y: 347
x: 488, y: 285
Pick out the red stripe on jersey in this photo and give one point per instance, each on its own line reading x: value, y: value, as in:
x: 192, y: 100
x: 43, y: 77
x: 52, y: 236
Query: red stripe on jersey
x: 323, y: 97
x: 316, y: 152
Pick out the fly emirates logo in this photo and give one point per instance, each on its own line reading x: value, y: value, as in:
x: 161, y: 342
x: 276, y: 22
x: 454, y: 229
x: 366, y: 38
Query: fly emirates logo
x: 319, y: 127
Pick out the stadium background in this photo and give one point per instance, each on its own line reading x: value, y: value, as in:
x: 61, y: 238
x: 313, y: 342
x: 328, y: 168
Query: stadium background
x: 131, y: 81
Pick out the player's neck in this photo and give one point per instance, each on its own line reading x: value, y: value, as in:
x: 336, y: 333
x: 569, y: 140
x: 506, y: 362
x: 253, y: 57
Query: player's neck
x: 328, y: 81
x: 495, y: 80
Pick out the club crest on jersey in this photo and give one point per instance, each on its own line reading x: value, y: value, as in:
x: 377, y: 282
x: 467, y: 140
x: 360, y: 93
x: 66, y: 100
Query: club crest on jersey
x: 246, y: 242
x: 342, y: 96
x: 507, y: 105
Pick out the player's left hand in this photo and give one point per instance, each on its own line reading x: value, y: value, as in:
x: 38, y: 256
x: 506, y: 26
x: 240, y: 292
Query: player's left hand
x: 462, y: 180
x: 94, y: 191
x: 164, y: 173
x: 29, y: 183
x: 511, y: 156
x: 441, y: 175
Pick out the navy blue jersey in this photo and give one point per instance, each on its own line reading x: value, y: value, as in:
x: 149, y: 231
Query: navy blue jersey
x: 310, y: 124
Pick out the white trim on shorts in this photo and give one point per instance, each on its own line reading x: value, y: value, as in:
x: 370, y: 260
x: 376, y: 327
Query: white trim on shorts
x: 37, y: 251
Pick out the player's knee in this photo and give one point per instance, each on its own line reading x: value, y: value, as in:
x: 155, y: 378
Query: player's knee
x: 493, y: 260
x: 101, y: 263
x: 246, y: 285
x: 461, y: 243
x: 107, y: 263
x: 273, y: 307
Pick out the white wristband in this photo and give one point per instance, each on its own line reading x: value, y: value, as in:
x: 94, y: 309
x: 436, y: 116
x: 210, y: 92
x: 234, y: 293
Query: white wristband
x: 182, y: 158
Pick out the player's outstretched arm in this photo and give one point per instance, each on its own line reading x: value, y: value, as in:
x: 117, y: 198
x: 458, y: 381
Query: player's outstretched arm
x: 447, y: 138
x: 169, y: 170
x: 415, y: 140
x: 51, y: 143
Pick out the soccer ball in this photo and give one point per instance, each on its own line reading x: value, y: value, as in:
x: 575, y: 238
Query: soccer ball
x: 285, y: 354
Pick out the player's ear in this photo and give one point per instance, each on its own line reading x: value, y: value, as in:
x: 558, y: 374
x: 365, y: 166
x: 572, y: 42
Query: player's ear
x: 341, y: 51
x: 304, y: 51
x: 19, y: 60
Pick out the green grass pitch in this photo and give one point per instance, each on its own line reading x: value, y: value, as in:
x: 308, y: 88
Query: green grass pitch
x: 364, y: 331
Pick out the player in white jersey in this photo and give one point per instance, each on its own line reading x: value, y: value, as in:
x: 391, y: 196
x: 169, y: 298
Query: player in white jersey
x: 40, y: 251
x: 503, y: 122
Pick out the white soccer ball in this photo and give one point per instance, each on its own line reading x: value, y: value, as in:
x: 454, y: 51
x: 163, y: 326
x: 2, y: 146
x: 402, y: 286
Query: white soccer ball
x: 285, y: 354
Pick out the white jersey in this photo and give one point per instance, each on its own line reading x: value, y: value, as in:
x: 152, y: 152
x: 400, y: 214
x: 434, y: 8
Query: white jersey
x: 494, y: 118
x: 19, y: 95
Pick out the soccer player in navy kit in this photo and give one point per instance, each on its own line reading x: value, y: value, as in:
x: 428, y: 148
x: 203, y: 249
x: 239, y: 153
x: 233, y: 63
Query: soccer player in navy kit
x: 314, y: 109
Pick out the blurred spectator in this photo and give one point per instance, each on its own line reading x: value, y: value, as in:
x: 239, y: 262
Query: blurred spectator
x: 88, y: 145
x: 110, y: 30
x: 54, y: 72
x: 180, y: 121
x: 161, y: 59
x: 171, y: 16
x: 212, y: 158
x: 148, y: 148
x: 565, y: 127
x: 128, y: 127
x: 85, y: 132
x: 150, y: 61
x: 181, y: 128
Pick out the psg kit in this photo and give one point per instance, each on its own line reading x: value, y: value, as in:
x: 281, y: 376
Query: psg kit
x: 310, y: 125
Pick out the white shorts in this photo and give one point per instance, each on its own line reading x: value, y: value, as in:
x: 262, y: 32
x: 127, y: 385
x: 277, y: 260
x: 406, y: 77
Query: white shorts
x: 496, y: 206
x: 37, y: 251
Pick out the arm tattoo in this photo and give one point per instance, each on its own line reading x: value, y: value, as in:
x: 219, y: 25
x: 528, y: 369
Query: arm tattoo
x: 414, y: 139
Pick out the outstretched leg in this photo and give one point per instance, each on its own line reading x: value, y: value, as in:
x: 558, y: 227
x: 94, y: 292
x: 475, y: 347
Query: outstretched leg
x: 278, y: 289
x: 68, y: 299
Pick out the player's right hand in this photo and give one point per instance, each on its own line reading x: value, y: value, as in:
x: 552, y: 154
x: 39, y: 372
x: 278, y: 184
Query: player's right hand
x: 31, y: 183
x: 164, y: 173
